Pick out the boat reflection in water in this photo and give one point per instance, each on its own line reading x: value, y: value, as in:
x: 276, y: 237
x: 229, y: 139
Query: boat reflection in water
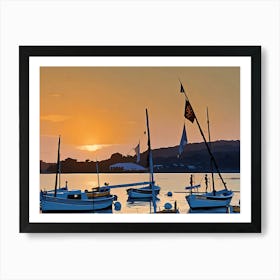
x: 143, y: 193
x: 218, y: 210
x: 108, y: 210
x: 141, y: 201
x: 169, y: 209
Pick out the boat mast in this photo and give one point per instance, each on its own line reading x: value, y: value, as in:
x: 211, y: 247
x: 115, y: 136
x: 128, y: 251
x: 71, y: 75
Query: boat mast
x: 57, y: 167
x: 151, y: 162
x: 209, y: 140
x: 207, y: 146
x: 97, y: 172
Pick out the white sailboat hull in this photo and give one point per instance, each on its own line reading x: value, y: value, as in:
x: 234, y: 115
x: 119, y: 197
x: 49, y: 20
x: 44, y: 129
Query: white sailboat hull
x: 209, y: 200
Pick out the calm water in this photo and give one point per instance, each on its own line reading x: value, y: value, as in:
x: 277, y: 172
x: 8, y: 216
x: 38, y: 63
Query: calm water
x: 174, y: 182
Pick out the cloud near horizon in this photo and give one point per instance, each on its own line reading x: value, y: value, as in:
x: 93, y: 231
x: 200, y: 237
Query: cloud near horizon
x: 54, y: 118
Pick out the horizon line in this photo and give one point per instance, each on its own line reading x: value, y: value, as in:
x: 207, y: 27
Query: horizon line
x: 237, y: 140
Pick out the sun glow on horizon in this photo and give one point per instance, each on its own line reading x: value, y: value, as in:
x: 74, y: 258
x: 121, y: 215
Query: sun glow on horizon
x: 92, y: 148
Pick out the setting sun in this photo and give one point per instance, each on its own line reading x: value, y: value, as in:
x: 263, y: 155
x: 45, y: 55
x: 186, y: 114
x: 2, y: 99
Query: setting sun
x: 91, y: 148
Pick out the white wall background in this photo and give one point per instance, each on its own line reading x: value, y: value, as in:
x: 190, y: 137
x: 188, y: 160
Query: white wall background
x: 138, y: 256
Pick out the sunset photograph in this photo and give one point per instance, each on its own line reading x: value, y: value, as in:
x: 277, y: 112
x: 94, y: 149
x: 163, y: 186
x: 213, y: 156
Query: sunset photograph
x: 142, y: 131
x: 140, y: 140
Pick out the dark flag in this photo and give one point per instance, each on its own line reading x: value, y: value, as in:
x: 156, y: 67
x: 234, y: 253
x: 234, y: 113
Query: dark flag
x: 182, y: 88
x: 189, y: 113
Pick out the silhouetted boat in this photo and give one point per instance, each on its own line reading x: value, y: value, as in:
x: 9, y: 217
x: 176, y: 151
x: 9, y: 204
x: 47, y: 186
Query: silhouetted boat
x: 144, y: 192
x: 210, y: 199
x: 64, y: 200
x: 98, y: 191
x: 74, y: 201
x: 150, y: 191
x: 207, y: 200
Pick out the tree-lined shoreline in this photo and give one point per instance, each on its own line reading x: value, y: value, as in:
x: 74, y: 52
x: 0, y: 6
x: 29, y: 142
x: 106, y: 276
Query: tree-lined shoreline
x: 195, y: 159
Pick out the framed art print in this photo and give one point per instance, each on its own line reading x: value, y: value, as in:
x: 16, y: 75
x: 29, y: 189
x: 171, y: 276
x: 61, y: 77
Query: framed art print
x: 140, y: 138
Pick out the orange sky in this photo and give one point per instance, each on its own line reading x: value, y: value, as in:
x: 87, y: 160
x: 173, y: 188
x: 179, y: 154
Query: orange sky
x: 101, y: 110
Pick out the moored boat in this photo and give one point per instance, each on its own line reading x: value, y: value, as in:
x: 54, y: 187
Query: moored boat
x: 150, y: 191
x: 210, y: 200
x: 213, y: 199
x: 74, y: 201
x: 144, y: 192
x: 62, y: 200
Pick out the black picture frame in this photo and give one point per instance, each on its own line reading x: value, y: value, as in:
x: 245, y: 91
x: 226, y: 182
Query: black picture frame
x: 254, y: 52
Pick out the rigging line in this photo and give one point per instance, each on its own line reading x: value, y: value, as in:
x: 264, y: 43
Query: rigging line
x: 207, y: 146
x: 211, y: 155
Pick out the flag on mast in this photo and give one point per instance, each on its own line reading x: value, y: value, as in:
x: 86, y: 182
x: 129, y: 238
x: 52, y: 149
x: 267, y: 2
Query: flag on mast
x: 184, y: 141
x: 189, y: 113
x: 137, y: 152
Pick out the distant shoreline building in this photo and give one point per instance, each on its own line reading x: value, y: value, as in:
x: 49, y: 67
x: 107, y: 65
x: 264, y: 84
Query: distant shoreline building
x: 126, y: 166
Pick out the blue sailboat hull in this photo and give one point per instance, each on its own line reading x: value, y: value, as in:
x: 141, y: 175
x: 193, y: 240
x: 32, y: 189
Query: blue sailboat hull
x: 210, y: 200
x: 145, y: 192
x: 57, y: 204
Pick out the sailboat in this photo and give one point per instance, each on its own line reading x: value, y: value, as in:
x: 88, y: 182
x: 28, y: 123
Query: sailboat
x: 150, y: 191
x: 98, y: 191
x: 62, y: 200
x: 213, y: 199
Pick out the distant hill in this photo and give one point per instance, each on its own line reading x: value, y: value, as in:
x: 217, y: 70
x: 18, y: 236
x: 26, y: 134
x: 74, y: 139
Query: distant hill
x: 194, y: 159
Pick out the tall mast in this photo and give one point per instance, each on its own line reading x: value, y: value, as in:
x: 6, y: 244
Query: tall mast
x: 209, y: 138
x: 207, y: 146
x: 57, y: 167
x: 97, y: 172
x: 59, y: 175
x: 151, y: 162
